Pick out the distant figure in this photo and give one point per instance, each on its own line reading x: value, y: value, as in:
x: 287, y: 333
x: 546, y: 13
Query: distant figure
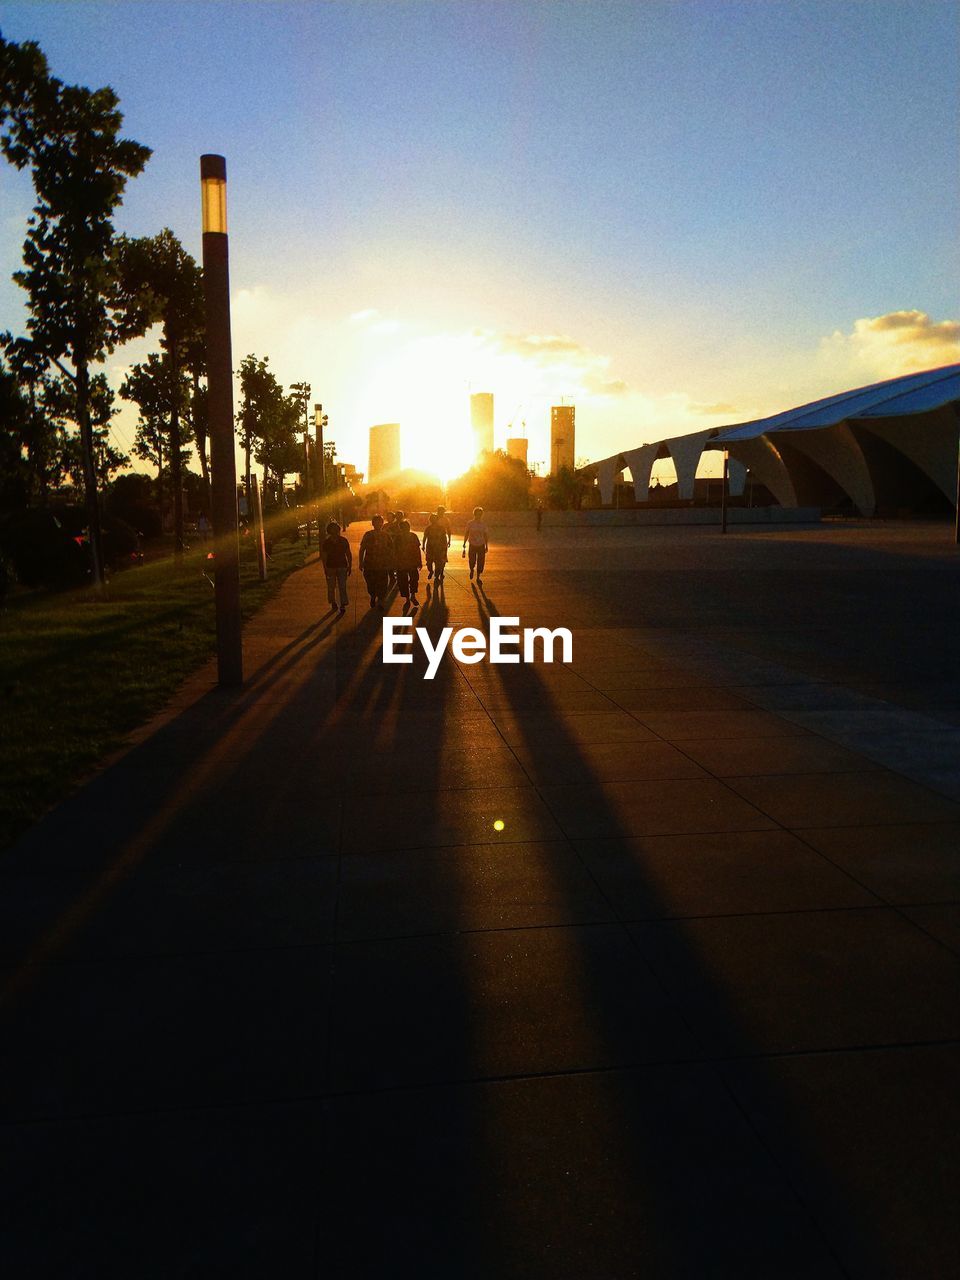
x: 391, y: 529
x: 409, y: 562
x: 203, y: 526
x: 337, y: 561
x: 539, y: 514
x: 375, y: 554
x: 444, y: 523
x: 475, y: 535
x: 435, y: 543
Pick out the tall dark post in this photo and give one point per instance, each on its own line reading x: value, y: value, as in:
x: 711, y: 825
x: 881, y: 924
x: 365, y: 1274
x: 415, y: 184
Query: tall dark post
x: 723, y: 495
x: 318, y: 421
x: 223, y: 464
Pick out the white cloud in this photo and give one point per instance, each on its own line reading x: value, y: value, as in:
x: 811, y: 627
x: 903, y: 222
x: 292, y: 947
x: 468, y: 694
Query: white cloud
x: 889, y: 345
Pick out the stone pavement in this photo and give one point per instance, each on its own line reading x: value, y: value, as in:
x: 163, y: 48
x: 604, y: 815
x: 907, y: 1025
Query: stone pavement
x: 281, y: 1001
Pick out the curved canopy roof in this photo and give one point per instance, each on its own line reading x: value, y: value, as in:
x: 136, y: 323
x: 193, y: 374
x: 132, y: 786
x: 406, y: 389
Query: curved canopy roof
x: 913, y: 393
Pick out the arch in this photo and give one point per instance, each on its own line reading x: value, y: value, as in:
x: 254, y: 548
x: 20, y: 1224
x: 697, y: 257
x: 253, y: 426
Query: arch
x: 640, y: 463
x: 607, y: 472
x: 836, y: 451
x: 686, y: 451
x: 929, y: 440
x: 736, y: 478
x: 763, y: 458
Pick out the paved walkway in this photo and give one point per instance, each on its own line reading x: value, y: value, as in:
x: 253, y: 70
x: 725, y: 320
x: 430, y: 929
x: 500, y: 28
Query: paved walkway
x: 282, y: 1000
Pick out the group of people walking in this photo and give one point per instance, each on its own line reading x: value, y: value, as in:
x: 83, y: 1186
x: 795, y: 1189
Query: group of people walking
x: 391, y: 555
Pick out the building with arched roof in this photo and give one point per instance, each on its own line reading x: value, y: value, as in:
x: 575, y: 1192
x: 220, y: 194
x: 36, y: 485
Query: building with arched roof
x: 877, y: 448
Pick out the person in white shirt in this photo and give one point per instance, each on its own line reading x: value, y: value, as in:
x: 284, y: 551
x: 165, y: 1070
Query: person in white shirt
x: 475, y: 535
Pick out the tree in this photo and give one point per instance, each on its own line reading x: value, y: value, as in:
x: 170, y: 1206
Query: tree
x: 162, y: 282
x: 40, y: 428
x: 151, y: 386
x: 69, y: 138
x: 565, y: 490
x: 268, y: 421
x: 496, y: 481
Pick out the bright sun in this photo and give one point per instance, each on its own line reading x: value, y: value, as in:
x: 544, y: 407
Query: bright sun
x: 426, y: 391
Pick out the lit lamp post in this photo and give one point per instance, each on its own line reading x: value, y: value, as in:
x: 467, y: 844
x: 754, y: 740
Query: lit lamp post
x: 223, y: 464
x: 319, y: 422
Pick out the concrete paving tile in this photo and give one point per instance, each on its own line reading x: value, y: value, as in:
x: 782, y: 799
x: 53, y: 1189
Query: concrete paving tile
x: 587, y: 762
x: 442, y: 1008
x: 807, y: 980
x: 653, y: 877
x: 220, y: 1191
x: 139, y: 1034
x: 210, y: 907
x: 916, y: 862
x: 451, y: 772
x: 669, y: 807
x: 884, y: 1122
x: 458, y: 817
x: 681, y: 726
x: 482, y: 887
x: 534, y: 731
x: 847, y: 799
x: 875, y: 719
x: 736, y: 757
x: 656, y: 701
x: 582, y: 1177
x: 808, y: 697
x: 547, y: 702
x: 941, y: 920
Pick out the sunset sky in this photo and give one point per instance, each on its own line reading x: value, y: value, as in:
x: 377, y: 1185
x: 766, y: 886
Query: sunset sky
x: 679, y: 215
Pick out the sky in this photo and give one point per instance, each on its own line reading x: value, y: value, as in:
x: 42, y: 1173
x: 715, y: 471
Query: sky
x: 673, y: 215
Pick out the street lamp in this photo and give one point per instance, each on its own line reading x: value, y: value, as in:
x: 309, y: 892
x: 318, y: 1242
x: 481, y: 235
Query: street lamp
x: 223, y: 465
x: 320, y: 420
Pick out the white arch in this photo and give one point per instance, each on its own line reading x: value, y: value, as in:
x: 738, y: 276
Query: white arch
x: 686, y: 451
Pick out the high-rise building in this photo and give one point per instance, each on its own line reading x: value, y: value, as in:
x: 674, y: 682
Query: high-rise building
x: 517, y: 448
x: 384, y: 452
x: 561, y: 437
x: 481, y: 420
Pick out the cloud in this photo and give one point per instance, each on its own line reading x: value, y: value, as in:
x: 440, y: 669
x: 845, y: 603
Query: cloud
x: 720, y: 409
x: 365, y: 316
x: 893, y: 344
x: 568, y: 362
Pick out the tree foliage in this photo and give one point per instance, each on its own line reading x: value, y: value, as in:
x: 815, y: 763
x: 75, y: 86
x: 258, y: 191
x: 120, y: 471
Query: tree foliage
x: 268, y: 420
x: 69, y: 137
x: 496, y: 481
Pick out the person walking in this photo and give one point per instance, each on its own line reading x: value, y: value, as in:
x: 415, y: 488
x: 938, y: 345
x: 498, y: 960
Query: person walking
x: 476, y: 536
x: 375, y: 555
x: 391, y: 529
x: 337, y: 559
x: 435, y: 543
x: 444, y: 524
x: 409, y: 563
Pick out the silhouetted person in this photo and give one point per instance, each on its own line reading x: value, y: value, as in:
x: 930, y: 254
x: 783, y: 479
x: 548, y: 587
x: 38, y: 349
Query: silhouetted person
x: 444, y: 523
x: 391, y: 529
x: 539, y: 515
x: 337, y: 560
x: 409, y: 562
x: 475, y: 535
x: 375, y: 554
x: 435, y: 543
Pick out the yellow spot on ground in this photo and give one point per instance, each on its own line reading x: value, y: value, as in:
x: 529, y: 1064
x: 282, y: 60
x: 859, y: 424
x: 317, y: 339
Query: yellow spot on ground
x: 498, y: 825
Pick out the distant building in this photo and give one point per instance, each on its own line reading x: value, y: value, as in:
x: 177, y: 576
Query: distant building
x: 481, y: 420
x: 384, y: 451
x: 561, y: 437
x: 517, y: 448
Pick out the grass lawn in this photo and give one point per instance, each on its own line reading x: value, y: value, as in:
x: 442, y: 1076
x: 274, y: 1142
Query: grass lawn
x: 79, y: 670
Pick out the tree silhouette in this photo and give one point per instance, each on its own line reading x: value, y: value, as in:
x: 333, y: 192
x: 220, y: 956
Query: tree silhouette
x: 162, y: 283
x: 69, y: 138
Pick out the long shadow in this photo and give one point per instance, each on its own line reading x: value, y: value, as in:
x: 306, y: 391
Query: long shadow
x: 665, y: 1106
x: 422, y: 1163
